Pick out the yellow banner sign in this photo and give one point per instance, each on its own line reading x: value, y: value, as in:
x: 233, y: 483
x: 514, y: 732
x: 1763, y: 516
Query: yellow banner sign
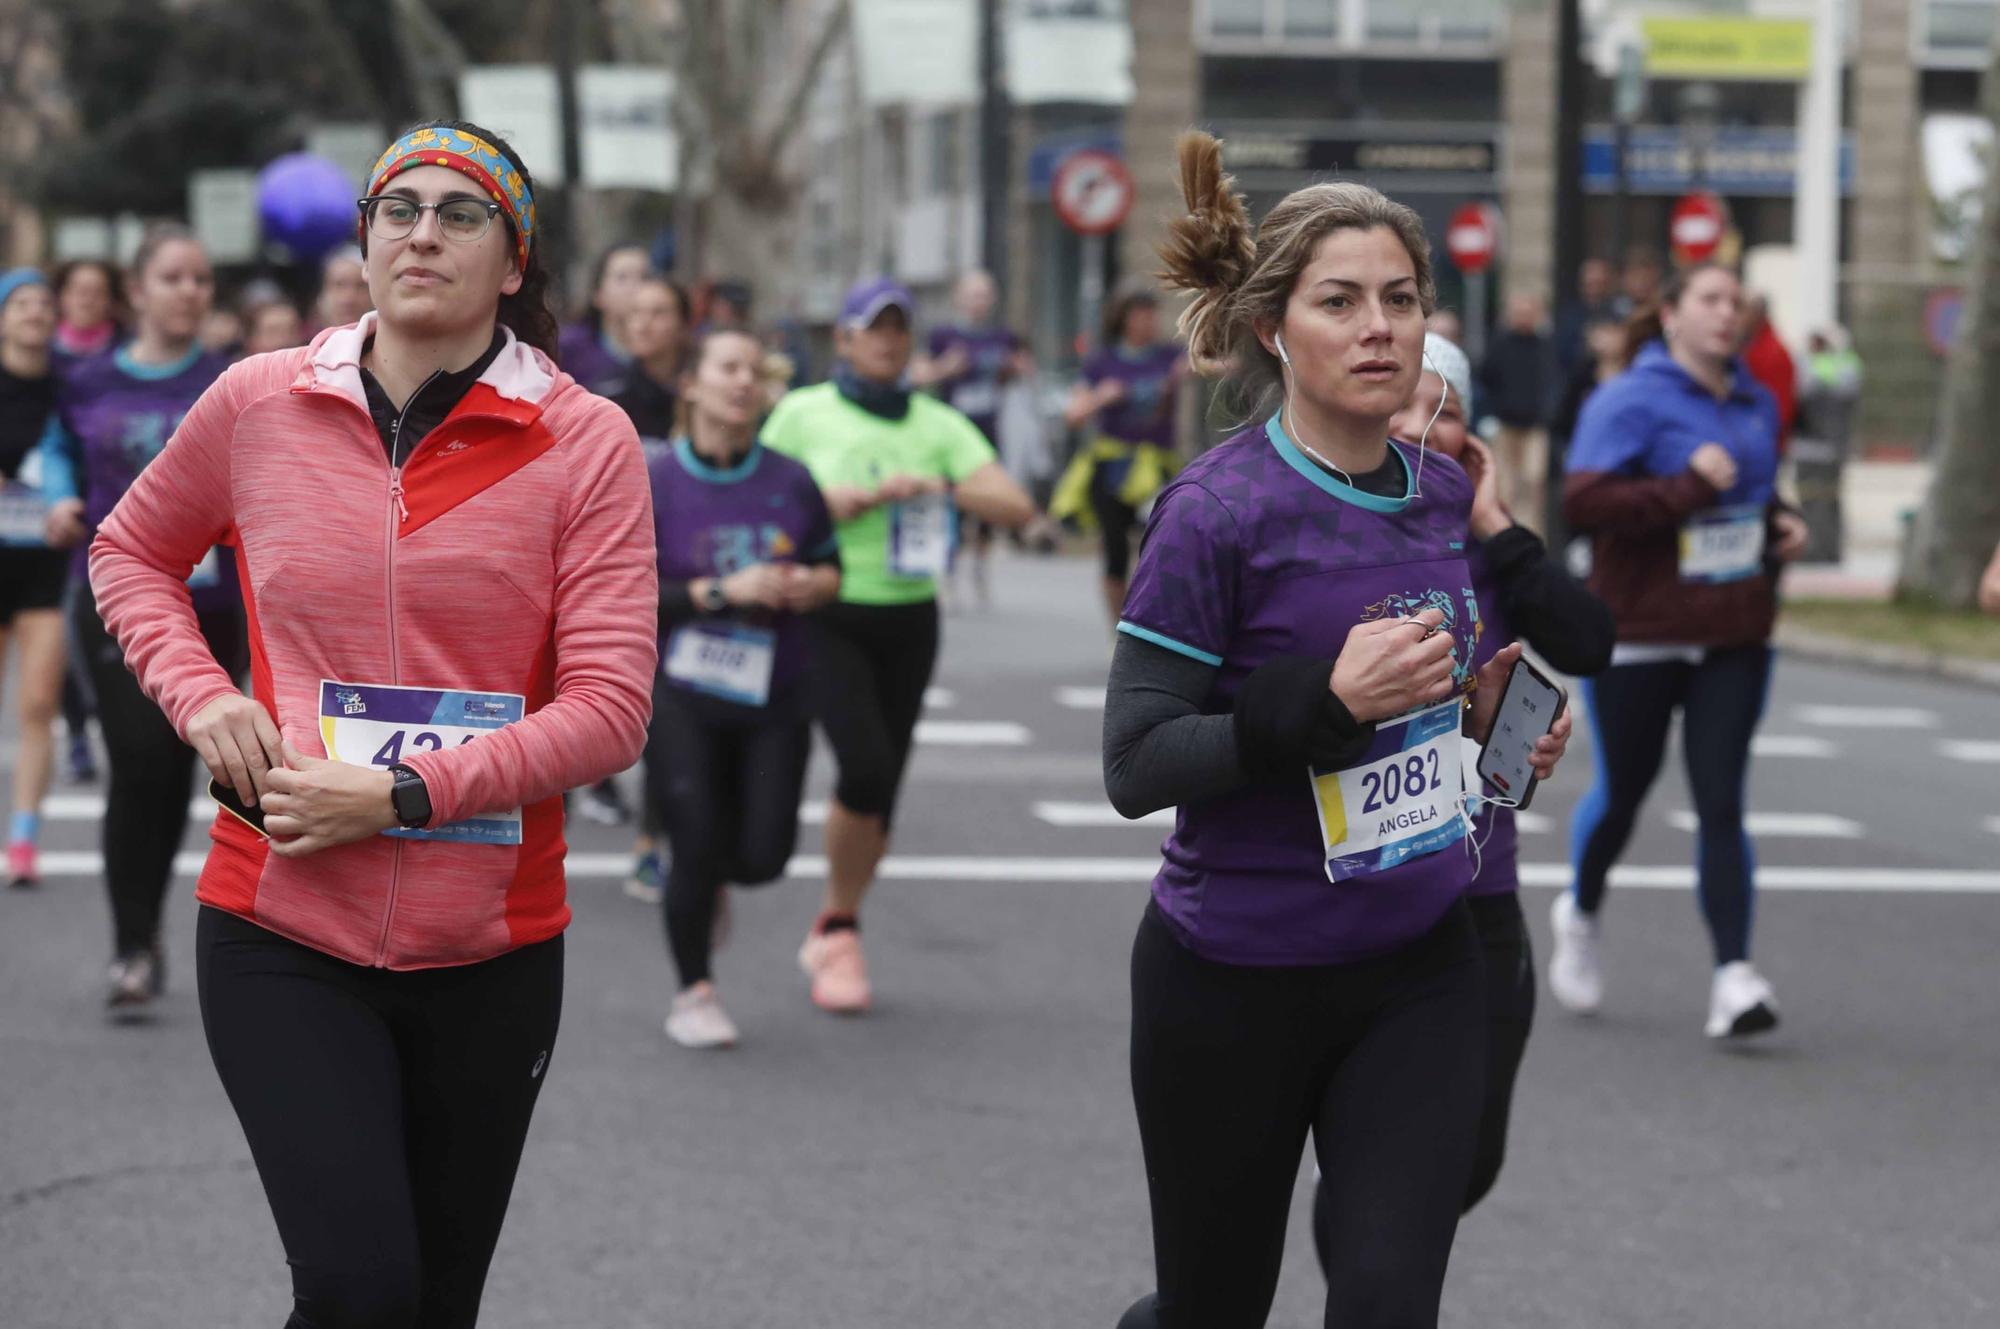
x: 1762, y: 49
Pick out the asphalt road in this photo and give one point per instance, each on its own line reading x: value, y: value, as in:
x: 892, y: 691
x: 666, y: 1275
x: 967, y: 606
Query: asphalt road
x: 966, y: 1156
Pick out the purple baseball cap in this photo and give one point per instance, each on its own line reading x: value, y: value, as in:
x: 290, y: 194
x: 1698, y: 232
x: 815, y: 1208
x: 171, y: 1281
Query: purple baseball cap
x: 867, y: 299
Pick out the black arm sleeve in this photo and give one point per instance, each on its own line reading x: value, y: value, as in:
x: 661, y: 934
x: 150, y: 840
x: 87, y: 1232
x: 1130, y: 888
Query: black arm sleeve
x: 676, y: 605
x: 1549, y: 609
x: 1161, y: 750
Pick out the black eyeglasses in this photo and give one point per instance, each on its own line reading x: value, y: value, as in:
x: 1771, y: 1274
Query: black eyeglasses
x: 391, y: 216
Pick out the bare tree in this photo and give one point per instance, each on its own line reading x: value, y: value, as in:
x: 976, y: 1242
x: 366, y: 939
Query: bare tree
x: 745, y: 74
x: 1957, y: 526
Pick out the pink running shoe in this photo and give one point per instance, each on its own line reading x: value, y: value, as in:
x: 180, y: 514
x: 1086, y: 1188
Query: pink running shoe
x: 839, y: 975
x: 22, y: 872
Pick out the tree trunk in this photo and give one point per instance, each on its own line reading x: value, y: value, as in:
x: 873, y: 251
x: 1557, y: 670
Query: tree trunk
x: 1959, y: 523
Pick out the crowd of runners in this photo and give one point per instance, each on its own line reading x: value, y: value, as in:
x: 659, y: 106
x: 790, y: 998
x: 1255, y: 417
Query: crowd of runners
x: 408, y: 590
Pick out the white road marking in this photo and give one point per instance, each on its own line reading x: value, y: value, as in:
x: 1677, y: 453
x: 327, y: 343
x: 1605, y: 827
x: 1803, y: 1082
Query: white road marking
x: 973, y: 733
x: 90, y: 807
x: 1081, y: 699
x: 1993, y: 825
x: 939, y: 699
x: 1534, y: 823
x: 1868, y: 717
x: 812, y: 812
x: 1136, y: 871
x: 1098, y: 814
x: 1792, y: 745
x: 1818, y: 825
x: 1960, y: 749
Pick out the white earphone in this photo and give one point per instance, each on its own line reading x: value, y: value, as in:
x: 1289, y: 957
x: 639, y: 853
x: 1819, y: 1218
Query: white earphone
x: 1417, y: 480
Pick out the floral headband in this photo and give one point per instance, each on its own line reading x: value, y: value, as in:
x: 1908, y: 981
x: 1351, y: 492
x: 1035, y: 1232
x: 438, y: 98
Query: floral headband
x: 469, y: 155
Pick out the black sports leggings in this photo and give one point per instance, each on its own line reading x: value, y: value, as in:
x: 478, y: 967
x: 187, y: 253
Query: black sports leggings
x: 152, y: 775
x: 725, y: 780
x: 386, y: 1112
x: 872, y: 665
x: 1510, y: 1014
x: 1383, y: 1061
x: 1631, y: 706
x: 1115, y: 520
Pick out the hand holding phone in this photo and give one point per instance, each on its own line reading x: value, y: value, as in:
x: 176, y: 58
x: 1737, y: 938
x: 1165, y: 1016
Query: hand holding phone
x: 1531, y: 706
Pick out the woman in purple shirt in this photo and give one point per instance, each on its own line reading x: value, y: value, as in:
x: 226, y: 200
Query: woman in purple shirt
x: 1291, y: 674
x: 122, y: 407
x: 746, y: 549
x: 1126, y: 403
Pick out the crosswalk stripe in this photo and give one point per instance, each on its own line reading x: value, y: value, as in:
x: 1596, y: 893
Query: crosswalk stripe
x: 1868, y: 717
x: 973, y: 733
x: 1818, y: 824
x: 1081, y: 699
x: 1791, y: 745
x: 1993, y: 825
x: 1098, y: 814
x: 1137, y: 871
x: 1534, y: 823
x: 940, y: 699
x: 1959, y: 749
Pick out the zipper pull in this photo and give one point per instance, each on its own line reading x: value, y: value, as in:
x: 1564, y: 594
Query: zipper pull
x: 396, y: 496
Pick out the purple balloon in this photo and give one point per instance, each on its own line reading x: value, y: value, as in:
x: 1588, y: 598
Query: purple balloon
x: 306, y: 204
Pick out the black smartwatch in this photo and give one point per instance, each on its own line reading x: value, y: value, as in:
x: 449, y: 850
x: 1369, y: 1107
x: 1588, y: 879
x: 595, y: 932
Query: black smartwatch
x: 713, y: 601
x: 410, y: 798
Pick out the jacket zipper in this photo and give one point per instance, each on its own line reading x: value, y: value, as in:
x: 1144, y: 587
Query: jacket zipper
x: 398, y: 514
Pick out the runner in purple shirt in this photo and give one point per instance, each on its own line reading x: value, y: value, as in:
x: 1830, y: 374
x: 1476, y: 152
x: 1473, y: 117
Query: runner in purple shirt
x: 1125, y: 402
x: 1291, y: 674
x: 122, y: 407
x: 588, y: 349
x: 970, y: 364
x: 746, y: 549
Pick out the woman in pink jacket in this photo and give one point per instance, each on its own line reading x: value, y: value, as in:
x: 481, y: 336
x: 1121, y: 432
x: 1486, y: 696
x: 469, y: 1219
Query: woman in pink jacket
x: 446, y: 553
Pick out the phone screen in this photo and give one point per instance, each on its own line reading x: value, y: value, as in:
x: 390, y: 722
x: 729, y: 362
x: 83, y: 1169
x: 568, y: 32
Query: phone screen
x: 233, y: 804
x: 1528, y: 710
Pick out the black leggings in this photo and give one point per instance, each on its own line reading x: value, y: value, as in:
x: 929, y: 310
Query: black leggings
x: 872, y: 666
x: 1115, y: 520
x: 725, y: 780
x: 1720, y: 700
x: 152, y: 775
x: 1382, y: 1061
x: 1510, y: 1014
x: 386, y: 1112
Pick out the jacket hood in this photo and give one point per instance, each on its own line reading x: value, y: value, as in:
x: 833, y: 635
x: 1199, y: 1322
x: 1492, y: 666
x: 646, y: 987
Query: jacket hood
x: 1655, y: 362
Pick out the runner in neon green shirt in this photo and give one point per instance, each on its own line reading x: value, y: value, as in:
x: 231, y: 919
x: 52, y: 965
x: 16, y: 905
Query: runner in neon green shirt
x: 893, y: 466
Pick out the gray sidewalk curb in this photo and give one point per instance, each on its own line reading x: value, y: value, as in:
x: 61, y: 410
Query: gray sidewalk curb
x: 1810, y: 645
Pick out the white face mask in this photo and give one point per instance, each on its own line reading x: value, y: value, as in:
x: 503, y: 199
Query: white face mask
x: 1291, y: 425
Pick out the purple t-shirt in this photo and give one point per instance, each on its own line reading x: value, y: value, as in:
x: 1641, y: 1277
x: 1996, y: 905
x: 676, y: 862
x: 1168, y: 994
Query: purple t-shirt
x: 1498, y: 836
x: 1253, y: 552
x: 710, y: 522
x: 1146, y: 413
x: 976, y: 392
x: 122, y: 413
x: 583, y: 355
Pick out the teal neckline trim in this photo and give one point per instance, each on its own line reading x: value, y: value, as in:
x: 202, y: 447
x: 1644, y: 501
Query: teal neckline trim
x: 1177, y: 647
x: 716, y: 475
x: 122, y: 357
x: 1318, y: 474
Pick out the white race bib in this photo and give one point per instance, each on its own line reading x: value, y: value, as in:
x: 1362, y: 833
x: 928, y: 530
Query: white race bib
x: 976, y: 397
x: 730, y: 661
x: 376, y: 725
x: 922, y: 533
x: 1404, y: 798
x: 24, y: 516
x: 1723, y: 544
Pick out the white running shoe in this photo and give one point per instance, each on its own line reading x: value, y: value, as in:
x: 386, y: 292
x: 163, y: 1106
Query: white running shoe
x: 697, y: 1020
x: 1740, y: 1002
x: 1576, y: 974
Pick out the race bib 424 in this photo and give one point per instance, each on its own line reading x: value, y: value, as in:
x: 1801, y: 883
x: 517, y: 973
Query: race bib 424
x: 377, y: 725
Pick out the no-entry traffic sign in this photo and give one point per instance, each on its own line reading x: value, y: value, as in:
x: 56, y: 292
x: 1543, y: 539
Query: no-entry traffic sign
x: 1473, y: 237
x: 1093, y: 192
x: 1696, y: 226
